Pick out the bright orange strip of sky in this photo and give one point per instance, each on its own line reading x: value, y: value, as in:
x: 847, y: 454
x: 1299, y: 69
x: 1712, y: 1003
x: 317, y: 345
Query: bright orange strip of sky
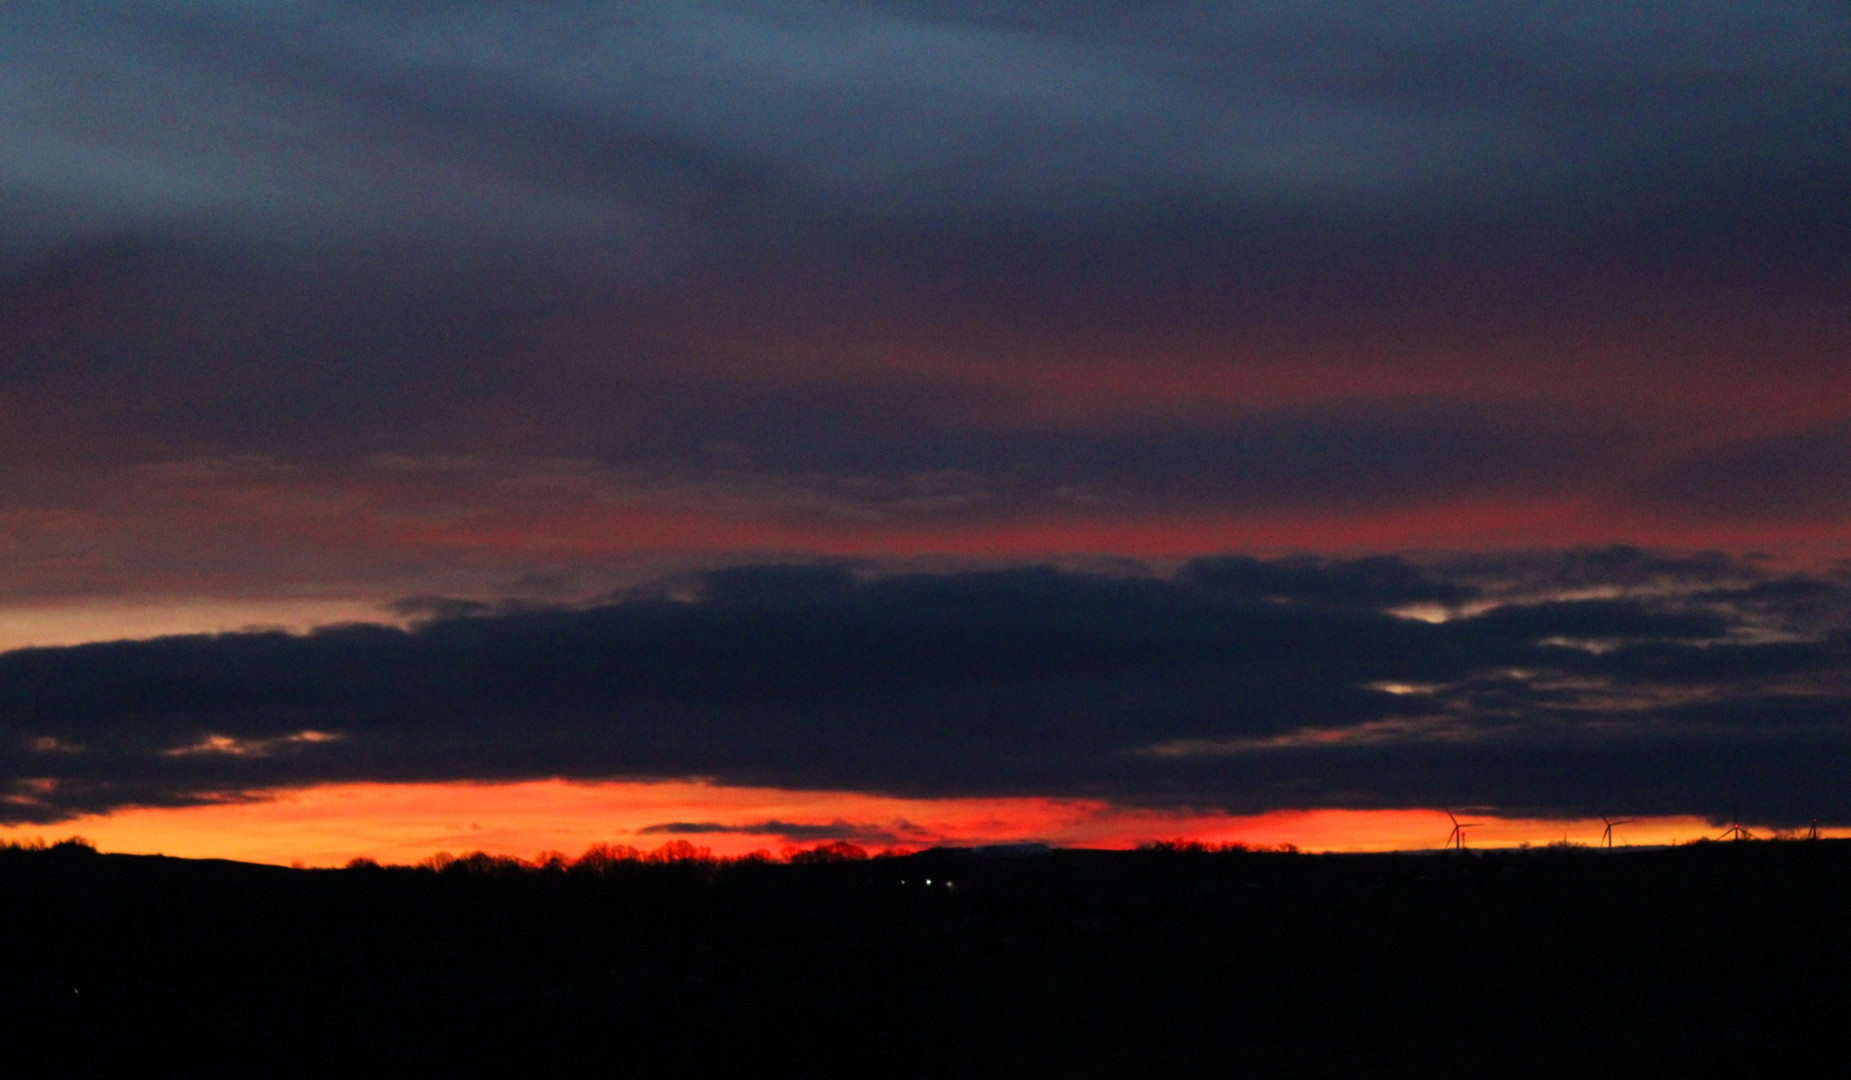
x: 402, y: 823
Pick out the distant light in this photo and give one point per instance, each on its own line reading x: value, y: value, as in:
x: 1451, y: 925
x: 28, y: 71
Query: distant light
x: 928, y: 881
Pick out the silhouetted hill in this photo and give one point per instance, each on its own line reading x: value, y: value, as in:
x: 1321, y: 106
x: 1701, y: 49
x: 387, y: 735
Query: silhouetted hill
x: 1688, y: 961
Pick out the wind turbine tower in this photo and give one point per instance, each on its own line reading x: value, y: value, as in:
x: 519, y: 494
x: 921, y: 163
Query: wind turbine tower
x: 1456, y: 838
x: 1606, y: 836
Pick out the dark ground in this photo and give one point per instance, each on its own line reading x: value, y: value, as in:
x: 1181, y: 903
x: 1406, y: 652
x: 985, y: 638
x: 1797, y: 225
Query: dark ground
x: 1714, y: 959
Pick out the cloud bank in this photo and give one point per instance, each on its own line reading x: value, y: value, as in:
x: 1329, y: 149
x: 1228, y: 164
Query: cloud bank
x: 1609, y: 681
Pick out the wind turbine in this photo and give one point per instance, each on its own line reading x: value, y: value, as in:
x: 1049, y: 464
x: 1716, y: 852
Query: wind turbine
x: 1735, y: 830
x: 1456, y: 838
x: 1813, y: 833
x: 1606, y: 836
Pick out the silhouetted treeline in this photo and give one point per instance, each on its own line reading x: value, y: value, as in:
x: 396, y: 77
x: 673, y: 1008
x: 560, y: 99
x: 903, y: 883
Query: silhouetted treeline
x: 1166, y: 961
x: 610, y: 858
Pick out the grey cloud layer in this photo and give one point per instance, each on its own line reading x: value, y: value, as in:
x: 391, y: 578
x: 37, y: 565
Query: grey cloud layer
x: 823, y: 248
x: 560, y: 117
x: 1669, y: 686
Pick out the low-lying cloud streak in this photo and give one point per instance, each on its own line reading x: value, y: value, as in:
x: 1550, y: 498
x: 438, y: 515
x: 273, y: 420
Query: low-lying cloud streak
x: 1596, y: 682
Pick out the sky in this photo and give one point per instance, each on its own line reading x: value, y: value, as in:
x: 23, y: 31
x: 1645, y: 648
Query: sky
x: 1062, y: 421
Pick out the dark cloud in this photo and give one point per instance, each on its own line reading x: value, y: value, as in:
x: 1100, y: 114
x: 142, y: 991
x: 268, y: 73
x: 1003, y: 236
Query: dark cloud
x: 1380, y: 582
x: 1799, y: 476
x: 934, y: 264
x: 688, y: 828
x: 1010, y: 142
x: 791, y: 832
x: 878, y: 104
x: 1240, y: 684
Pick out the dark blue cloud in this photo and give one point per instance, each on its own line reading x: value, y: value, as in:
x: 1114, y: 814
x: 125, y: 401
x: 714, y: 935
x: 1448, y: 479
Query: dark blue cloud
x: 1241, y: 684
x: 1796, y: 476
x: 321, y: 226
x: 788, y: 831
x: 1381, y: 582
x: 557, y: 119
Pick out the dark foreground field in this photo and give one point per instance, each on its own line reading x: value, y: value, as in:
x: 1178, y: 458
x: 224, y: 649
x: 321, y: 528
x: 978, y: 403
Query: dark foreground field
x: 1703, y: 960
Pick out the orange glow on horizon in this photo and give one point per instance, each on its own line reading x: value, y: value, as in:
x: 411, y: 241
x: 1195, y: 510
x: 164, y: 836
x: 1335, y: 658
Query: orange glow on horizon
x: 403, y: 823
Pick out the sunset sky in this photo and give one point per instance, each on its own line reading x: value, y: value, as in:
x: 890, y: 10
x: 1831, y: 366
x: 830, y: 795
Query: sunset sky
x: 518, y: 424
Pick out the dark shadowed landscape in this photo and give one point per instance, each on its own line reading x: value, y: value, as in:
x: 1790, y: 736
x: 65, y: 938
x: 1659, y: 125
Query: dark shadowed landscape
x: 1163, y: 961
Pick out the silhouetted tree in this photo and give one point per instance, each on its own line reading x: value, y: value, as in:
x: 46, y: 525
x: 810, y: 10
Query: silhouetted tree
x: 680, y: 851
x: 602, y: 859
x: 832, y: 852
